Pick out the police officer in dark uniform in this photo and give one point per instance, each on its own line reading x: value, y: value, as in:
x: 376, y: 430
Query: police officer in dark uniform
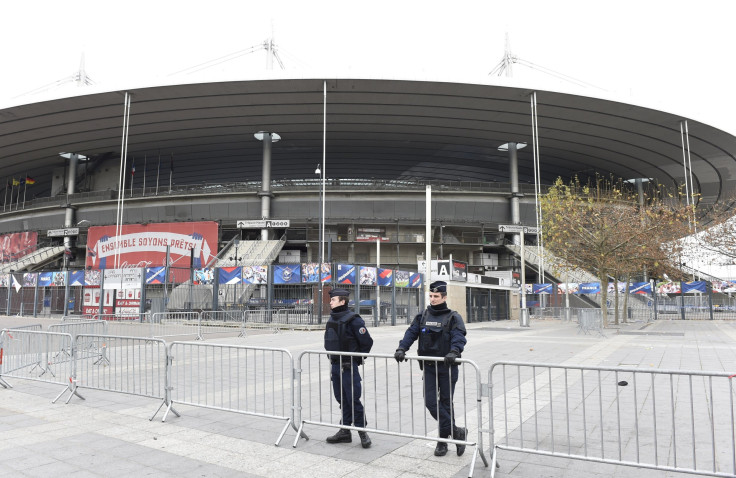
x: 441, y: 333
x: 346, y: 332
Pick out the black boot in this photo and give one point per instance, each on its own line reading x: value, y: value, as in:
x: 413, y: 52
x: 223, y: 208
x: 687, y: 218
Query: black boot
x: 365, y: 440
x: 342, y: 436
x: 440, y: 449
x: 460, y: 434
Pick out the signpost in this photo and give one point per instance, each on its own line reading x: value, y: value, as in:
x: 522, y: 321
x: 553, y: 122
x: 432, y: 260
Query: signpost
x: 264, y: 224
x: 66, y: 232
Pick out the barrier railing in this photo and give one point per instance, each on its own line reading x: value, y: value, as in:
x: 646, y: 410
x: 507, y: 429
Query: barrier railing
x: 175, y: 324
x: 218, y: 322
x: 36, y: 327
x: 131, y: 365
x: 35, y: 355
x: 392, y: 396
x: 249, y: 380
x: 590, y: 320
x: 668, y: 420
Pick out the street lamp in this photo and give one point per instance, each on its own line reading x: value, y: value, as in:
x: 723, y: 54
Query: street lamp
x: 321, y: 237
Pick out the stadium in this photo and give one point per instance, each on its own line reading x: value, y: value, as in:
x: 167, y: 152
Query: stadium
x: 255, y: 178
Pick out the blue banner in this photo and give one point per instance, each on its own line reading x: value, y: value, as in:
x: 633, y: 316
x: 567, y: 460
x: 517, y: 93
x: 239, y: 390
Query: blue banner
x: 590, y: 288
x: 230, y: 275
x: 45, y: 279
x: 29, y: 279
x: 287, y: 274
x: 155, y: 275
x: 542, y: 288
x: 385, y: 277
x: 415, y: 280
x: 345, y: 274
x: 204, y: 276
x: 76, y: 278
x: 640, y: 288
x: 696, y: 286
x: 310, y: 272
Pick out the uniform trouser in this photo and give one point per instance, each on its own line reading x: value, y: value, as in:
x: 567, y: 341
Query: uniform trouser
x: 442, y: 379
x: 347, y: 389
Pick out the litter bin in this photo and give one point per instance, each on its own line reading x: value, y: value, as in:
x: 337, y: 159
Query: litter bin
x: 523, y: 317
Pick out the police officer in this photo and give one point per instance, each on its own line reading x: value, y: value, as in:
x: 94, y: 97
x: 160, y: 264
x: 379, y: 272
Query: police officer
x: 441, y: 333
x: 346, y: 332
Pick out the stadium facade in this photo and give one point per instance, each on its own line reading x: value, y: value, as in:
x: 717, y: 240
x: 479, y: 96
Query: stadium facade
x: 364, y: 151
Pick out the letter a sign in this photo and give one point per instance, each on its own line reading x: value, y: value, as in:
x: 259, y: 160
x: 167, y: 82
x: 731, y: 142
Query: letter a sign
x: 443, y: 269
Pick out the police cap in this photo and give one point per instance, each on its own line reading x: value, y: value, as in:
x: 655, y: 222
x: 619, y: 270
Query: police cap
x: 339, y: 293
x: 438, y: 286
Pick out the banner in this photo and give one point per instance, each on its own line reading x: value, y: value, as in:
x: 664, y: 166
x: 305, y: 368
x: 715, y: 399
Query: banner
x: 287, y: 274
x: 415, y: 280
x: 145, y: 245
x: 30, y: 279
x: 92, y: 278
x: 542, y: 288
x: 345, y: 274
x: 402, y: 279
x: 255, y: 274
x: 590, y: 288
x: 310, y: 272
x: 612, y: 287
x: 668, y: 287
x: 724, y: 287
x: 155, y: 275
x: 640, y: 288
x: 16, y: 245
x: 695, y: 286
x: 367, y: 275
x: 385, y: 277
x: 230, y: 275
x: 204, y: 276
x: 76, y: 278
x: 568, y: 288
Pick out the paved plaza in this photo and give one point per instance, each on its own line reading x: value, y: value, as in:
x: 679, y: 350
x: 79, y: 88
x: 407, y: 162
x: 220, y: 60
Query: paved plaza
x: 109, y: 434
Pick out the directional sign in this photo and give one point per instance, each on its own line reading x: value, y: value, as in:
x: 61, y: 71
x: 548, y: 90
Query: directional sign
x: 69, y: 231
x: 264, y: 224
x: 517, y: 228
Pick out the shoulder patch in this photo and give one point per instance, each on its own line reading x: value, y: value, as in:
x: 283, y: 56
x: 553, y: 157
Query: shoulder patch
x: 362, y: 330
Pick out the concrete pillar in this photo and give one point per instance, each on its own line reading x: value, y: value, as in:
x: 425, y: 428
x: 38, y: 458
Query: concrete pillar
x: 515, y: 195
x: 265, y: 192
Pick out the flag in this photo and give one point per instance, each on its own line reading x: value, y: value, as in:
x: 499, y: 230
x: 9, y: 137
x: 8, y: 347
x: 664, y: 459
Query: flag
x: 132, y: 170
x: 30, y: 180
x: 16, y: 182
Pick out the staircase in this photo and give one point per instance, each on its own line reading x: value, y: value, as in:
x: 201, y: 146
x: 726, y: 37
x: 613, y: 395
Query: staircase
x: 35, y: 259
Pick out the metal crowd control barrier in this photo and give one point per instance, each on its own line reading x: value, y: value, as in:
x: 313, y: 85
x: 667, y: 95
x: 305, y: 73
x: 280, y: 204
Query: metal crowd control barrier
x: 36, y: 327
x: 131, y: 365
x: 175, y: 324
x: 35, y: 355
x: 77, y: 327
x: 218, y: 322
x: 667, y: 420
x: 250, y: 380
x: 590, y: 320
x: 392, y: 396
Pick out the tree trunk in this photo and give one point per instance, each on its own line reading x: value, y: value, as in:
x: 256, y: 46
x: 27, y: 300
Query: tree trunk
x: 615, y: 301
x: 603, y: 278
x: 626, y: 298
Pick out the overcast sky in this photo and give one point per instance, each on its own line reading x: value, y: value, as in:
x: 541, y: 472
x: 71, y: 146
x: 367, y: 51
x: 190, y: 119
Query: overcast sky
x: 674, y: 55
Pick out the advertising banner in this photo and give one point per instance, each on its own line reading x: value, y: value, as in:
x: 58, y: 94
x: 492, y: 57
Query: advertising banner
x: 345, y: 274
x: 459, y: 271
x: 668, y: 287
x: 385, y: 277
x: 287, y: 274
x: 144, y: 245
x: 204, y: 276
x: 29, y: 279
x: 76, y: 278
x: 725, y: 287
x: 568, y: 288
x: 255, y: 274
x: 695, y: 286
x: 230, y: 275
x: 640, y: 288
x: 92, y: 277
x: 542, y: 288
x: 589, y: 288
x: 402, y: 279
x: 155, y: 275
x: 415, y: 280
x: 16, y: 245
x: 367, y: 275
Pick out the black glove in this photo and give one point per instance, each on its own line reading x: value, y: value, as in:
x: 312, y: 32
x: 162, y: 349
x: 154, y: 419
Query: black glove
x: 400, y: 355
x: 346, y: 366
x: 451, y: 357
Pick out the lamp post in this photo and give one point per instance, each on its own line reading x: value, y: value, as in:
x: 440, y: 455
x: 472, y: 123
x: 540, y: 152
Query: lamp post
x: 319, y: 171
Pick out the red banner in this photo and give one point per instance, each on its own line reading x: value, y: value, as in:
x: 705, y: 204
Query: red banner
x: 145, y: 245
x: 16, y: 245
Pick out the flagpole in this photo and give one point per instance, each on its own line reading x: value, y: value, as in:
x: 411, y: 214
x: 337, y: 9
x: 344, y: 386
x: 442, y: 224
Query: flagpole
x: 5, y: 199
x: 17, y: 198
x: 171, y: 171
x: 145, y: 162
x: 132, y: 177
x: 25, y: 188
x: 158, y: 171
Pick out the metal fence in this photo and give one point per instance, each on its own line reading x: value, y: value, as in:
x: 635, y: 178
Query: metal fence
x: 250, y: 380
x: 666, y: 420
x: 392, y: 396
x: 35, y: 355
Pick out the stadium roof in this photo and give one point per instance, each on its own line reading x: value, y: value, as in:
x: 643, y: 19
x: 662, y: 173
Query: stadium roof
x: 384, y: 129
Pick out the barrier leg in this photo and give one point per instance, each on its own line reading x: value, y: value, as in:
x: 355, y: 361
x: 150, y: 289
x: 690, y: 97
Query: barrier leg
x: 72, y: 389
x: 169, y: 408
x: 4, y: 383
x: 494, y: 462
x: 298, y: 435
